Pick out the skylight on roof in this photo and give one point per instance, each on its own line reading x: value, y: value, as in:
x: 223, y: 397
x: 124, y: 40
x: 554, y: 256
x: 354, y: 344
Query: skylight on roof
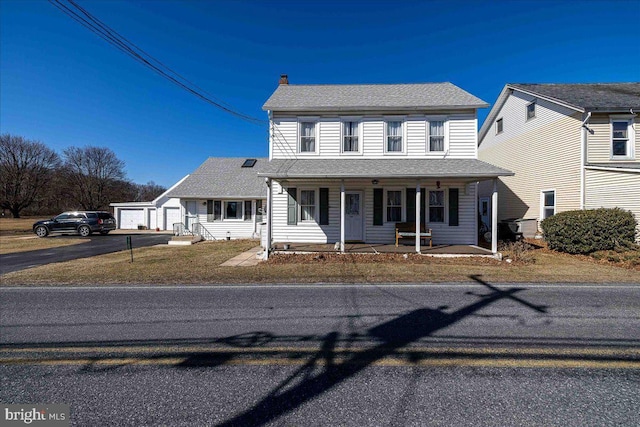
x: 249, y: 163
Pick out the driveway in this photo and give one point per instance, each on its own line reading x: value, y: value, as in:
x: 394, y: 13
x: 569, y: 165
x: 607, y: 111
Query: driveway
x: 96, y: 245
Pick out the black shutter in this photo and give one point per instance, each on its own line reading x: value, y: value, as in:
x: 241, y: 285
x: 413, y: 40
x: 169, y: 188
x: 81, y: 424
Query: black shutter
x: 378, y: 206
x: 324, y: 206
x: 453, y: 207
x: 411, y: 205
x: 292, y: 206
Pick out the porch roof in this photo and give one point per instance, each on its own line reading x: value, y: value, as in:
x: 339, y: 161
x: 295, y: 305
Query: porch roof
x: 382, y: 168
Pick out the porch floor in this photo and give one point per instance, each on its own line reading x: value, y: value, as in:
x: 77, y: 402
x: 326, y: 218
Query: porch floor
x: 372, y: 248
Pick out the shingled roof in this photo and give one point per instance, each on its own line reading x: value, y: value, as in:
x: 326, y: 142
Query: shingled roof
x: 223, y: 177
x: 589, y: 96
x: 382, y: 168
x: 371, y: 97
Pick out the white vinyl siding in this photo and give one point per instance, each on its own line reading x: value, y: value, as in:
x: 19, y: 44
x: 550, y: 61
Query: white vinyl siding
x: 459, y: 127
x: 243, y: 227
x: 599, y: 148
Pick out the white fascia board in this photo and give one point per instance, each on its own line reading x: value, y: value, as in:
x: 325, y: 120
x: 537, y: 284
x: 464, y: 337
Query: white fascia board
x: 171, y: 188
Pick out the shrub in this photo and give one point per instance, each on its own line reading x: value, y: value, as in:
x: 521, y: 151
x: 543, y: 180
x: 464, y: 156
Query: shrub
x: 519, y: 251
x: 587, y: 231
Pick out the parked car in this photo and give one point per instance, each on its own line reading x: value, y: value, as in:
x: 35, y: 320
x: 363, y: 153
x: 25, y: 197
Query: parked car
x: 81, y: 222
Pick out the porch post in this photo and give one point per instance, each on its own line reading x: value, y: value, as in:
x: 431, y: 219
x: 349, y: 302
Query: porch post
x: 418, y: 217
x: 494, y: 217
x: 342, y: 216
x: 267, y: 246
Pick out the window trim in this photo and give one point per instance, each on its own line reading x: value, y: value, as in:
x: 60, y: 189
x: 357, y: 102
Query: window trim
x: 526, y: 111
x: 360, y: 134
x: 445, y: 206
x: 500, y: 128
x: 316, y: 135
x: 385, y: 204
x: 316, y: 205
x: 445, y: 130
x: 630, y: 151
x: 403, y: 124
x: 543, y: 206
x: 224, y: 210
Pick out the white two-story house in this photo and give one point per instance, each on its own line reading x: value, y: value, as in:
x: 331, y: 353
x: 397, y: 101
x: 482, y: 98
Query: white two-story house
x: 349, y: 162
x: 571, y: 146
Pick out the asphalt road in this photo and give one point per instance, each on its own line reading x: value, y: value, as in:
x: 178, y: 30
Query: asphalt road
x: 96, y: 245
x: 350, y: 355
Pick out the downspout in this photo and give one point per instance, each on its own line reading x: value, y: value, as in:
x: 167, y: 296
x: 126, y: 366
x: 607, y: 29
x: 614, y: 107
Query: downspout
x: 583, y: 157
x: 270, y: 134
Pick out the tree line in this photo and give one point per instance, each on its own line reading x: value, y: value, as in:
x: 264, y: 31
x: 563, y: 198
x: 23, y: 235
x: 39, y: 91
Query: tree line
x: 35, y: 180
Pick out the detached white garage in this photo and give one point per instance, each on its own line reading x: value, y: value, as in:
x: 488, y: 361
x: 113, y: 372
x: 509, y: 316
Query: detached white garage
x: 129, y: 219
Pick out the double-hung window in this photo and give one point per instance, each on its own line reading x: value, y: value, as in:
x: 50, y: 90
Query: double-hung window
x: 350, y: 137
x: 394, y: 205
x: 436, y: 206
x: 436, y: 135
x: 548, y: 199
x: 307, y: 205
x: 394, y: 137
x: 621, y: 139
x: 307, y: 137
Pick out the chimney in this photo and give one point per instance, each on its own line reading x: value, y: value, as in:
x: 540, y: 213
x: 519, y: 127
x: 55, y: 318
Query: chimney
x: 284, y: 79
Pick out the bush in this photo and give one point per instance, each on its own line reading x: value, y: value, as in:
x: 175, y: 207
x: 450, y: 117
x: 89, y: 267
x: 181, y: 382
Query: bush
x: 587, y: 231
x: 519, y: 251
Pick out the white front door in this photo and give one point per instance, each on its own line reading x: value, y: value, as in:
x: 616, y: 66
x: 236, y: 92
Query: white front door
x: 353, y: 216
x: 191, y: 214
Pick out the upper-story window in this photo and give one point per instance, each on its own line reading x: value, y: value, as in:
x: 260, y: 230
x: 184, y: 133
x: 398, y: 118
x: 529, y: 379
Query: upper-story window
x: 531, y: 110
x: 394, y: 137
x: 499, y: 126
x: 436, y: 136
x: 307, y: 137
x: 622, y: 139
x: 350, y: 137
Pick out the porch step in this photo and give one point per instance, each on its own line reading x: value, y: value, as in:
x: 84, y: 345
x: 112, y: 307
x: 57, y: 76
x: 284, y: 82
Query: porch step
x: 184, y: 240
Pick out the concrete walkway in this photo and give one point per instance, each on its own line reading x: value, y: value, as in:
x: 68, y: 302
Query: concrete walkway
x: 245, y: 259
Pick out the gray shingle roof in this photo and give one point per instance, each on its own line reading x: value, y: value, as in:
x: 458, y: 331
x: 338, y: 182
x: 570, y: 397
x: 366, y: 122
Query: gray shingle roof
x: 371, y: 97
x: 592, y: 96
x: 223, y: 177
x: 383, y: 168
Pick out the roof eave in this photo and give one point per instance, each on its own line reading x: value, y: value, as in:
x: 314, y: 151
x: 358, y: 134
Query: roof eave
x: 374, y: 109
x: 382, y: 176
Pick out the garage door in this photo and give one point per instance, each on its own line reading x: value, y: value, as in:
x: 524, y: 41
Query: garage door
x: 130, y: 219
x: 171, y: 216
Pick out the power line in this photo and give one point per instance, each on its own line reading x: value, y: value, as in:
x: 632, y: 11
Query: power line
x: 112, y: 37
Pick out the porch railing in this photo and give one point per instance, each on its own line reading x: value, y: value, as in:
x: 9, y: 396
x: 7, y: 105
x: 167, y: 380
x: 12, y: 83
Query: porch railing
x: 201, y: 230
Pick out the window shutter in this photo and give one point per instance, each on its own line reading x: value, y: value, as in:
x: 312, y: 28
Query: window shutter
x: 292, y: 206
x: 324, y: 206
x: 378, y: 206
x: 453, y: 206
x: 411, y: 205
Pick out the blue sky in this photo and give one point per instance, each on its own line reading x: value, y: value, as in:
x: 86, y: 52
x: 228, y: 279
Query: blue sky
x: 64, y: 86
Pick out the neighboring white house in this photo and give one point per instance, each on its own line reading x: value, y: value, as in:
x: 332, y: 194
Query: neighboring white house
x: 571, y: 146
x: 159, y: 214
x: 223, y: 198
x: 348, y: 162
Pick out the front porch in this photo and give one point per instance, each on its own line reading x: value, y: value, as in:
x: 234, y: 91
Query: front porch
x: 373, y: 248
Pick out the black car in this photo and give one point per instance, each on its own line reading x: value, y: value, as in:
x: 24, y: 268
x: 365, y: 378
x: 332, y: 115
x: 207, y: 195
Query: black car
x: 81, y: 222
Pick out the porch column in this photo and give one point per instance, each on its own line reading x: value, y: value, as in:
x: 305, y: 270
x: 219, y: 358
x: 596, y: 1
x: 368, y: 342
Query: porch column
x: 267, y: 246
x: 342, y: 216
x: 494, y: 217
x: 418, y: 217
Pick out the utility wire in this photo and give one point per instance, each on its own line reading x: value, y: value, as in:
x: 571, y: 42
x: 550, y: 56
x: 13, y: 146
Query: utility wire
x: 115, y: 39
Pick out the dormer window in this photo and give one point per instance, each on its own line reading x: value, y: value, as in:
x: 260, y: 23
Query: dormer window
x: 394, y: 137
x: 531, y: 110
x: 307, y: 137
x: 499, y: 126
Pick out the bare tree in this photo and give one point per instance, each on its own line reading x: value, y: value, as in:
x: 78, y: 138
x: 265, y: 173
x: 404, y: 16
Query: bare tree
x: 25, y: 168
x: 92, y: 175
x: 148, y: 191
